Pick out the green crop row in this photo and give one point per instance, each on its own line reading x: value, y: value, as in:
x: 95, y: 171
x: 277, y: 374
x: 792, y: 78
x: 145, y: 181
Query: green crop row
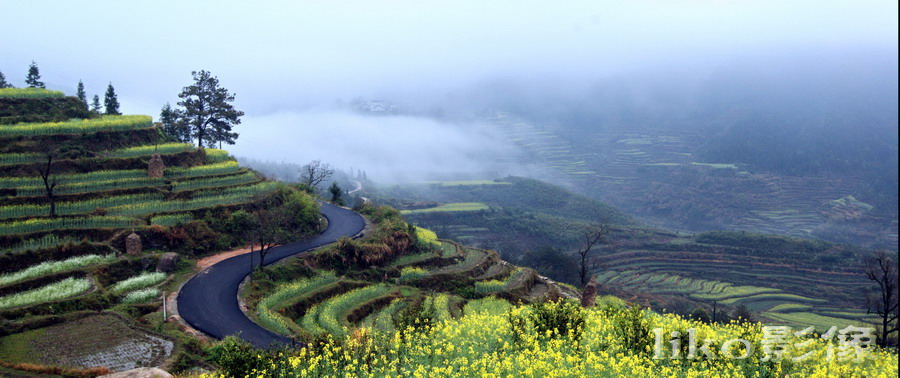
x: 450, y: 207
x: 224, y: 167
x: 20, y: 158
x: 141, y: 296
x: 147, y: 150
x: 413, y: 259
x: 246, y: 191
x: 310, y: 321
x: 63, y: 289
x: 53, y: 267
x: 213, y: 182
x: 411, y: 273
x: 140, y: 281
x: 472, y: 259
x: 441, y: 303
x: 77, y: 207
x: 171, y: 219
x: 266, y: 309
x: 105, y: 123
x: 493, y: 286
x: 384, y: 319
x: 93, y: 186
x: 50, y: 224
x: 46, y: 242
x: 489, y: 305
x: 334, y: 310
x: 29, y: 93
x: 215, y: 155
x: 105, y: 175
x: 202, y: 200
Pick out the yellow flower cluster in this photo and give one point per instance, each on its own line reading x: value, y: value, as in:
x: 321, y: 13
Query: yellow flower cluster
x: 485, y: 343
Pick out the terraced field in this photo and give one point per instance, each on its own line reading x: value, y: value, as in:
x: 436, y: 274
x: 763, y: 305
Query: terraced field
x: 654, y: 172
x: 58, y: 265
x: 449, y: 207
x: 772, y: 284
x: 433, y: 283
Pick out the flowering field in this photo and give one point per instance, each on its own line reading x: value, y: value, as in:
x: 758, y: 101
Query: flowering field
x: 494, y: 339
x: 63, y: 289
x: 29, y: 93
x: 105, y: 123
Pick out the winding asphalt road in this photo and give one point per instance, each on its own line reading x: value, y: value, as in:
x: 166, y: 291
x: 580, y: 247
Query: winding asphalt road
x: 208, y: 301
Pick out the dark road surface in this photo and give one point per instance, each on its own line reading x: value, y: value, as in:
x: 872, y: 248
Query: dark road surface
x: 208, y: 302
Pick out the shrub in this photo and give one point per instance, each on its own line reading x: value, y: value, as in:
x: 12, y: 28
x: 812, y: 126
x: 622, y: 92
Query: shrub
x: 633, y: 329
x: 235, y: 357
x: 426, y: 237
x: 562, y: 318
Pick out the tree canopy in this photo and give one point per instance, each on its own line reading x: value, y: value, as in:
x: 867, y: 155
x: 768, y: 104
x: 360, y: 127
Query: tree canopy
x: 111, y: 101
x: 81, y: 95
x: 95, y: 104
x: 208, y: 111
x: 173, y: 124
x: 33, y: 79
x: 3, y: 82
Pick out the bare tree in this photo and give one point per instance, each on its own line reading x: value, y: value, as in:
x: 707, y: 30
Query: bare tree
x: 882, y: 269
x: 315, y: 173
x: 590, y: 238
x: 266, y: 231
x: 46, y: 172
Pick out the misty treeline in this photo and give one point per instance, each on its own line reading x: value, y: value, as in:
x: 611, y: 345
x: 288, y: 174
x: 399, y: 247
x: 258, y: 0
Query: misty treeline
x: 110, y: 98
x: 298, y: 173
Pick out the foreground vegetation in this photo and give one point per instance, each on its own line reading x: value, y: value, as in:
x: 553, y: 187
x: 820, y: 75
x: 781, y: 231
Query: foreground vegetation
x: 494, y: 338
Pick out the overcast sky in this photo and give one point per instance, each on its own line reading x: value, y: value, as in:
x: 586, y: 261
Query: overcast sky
x: 279, y: 55
x: 288, y: 61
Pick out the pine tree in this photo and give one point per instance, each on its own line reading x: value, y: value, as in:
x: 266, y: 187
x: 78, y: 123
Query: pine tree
x: 81, y: 95
x: 336, y: 192
x: 111, y: 101
x: 3, y: 82
x: 34, y: 77
x: 208, y: 110
x: 173, y: 124
x: 95, y: 104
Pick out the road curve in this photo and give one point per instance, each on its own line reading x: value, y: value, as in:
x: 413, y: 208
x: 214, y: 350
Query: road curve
x: 208, y: 301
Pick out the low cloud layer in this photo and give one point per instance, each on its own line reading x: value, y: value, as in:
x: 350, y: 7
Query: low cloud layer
x: 388, y: 148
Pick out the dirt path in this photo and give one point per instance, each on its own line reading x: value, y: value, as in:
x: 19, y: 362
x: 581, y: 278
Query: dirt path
x: 209, y: 261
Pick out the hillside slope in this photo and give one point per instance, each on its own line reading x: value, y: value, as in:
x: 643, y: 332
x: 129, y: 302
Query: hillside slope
x: 121, y: 215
